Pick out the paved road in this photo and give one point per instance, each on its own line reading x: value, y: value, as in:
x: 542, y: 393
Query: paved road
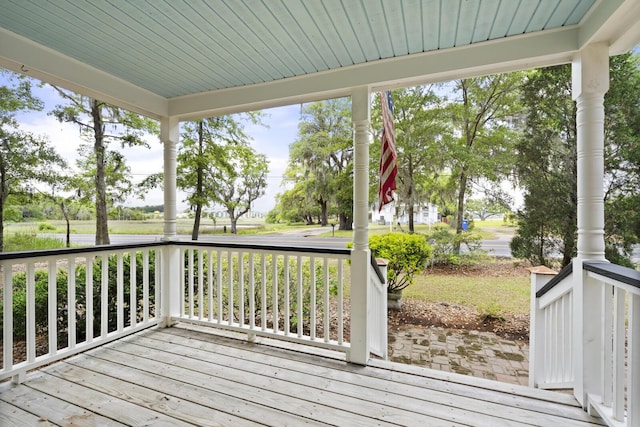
x: 300, y: 238
x: 290, y: 240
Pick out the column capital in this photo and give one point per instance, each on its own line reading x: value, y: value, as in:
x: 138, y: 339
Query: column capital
x: 360, y: 100
x: 590, y: 71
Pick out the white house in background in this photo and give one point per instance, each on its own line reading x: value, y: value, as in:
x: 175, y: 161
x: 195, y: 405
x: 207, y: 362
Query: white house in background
x: 426, y: 214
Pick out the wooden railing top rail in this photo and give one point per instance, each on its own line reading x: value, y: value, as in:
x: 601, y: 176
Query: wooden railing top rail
x: 622, y: 274
x: 45, y: 253
x: 87, y: 249
x: 273, y: 248
x: 564, y: 273
x: 617, y: 272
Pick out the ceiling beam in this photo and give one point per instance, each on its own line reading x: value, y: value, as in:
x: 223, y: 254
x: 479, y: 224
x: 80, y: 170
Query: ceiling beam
x: 26, y: 57
x: 613, y: 22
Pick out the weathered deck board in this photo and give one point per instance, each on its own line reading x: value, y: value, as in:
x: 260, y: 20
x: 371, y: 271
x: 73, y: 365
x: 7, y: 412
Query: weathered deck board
x: 12, y: 416
x: 186, y: 376
x: 56, y: 411
x: 437, y: 391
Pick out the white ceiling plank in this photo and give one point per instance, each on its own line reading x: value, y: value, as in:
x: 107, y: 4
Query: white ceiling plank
x: 507, y: 54
x: 26, y: 57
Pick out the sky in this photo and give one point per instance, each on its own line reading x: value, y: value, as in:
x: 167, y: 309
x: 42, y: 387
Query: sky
x: 273, y: 140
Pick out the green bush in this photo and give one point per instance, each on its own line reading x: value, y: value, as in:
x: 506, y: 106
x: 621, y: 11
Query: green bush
x: 444, y: 243
x: 45, y: 226
x: 406, y: 253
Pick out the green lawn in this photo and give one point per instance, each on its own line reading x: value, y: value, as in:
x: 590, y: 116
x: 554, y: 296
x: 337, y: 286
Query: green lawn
x: 490, y: 295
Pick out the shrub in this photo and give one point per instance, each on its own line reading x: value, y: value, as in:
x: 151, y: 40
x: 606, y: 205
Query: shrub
x: 45, y: 226
x: 406, y: 253
x: 443, y: 243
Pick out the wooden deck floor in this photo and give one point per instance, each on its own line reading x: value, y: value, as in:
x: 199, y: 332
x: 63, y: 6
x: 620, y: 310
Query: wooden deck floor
x: 186, y: 376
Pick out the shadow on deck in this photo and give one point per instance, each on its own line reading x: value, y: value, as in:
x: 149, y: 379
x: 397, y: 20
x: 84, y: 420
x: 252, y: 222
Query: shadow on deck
x: 189, y: 375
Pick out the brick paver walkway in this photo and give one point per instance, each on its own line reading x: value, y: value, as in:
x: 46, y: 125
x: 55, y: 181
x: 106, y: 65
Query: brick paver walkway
x: 481, y: 354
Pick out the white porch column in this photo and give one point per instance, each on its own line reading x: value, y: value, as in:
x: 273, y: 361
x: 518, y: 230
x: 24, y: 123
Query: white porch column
x: 170, y: 135
x: 360, y: 256
x: 590, y: 75
x: 170, y: 274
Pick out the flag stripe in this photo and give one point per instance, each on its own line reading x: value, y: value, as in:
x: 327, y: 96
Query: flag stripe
x: 388, y: 157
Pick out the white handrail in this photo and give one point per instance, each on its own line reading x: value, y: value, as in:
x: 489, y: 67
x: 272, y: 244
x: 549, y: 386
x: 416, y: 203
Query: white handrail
x: 78, y: 314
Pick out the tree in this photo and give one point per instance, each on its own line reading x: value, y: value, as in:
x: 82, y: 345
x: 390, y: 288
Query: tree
x: 421, y: 131
x: 245, y: 182
x: 547, y: 164
x: 102, y: 125
x: 322, y: 156
x: 486, y: 207
x: 25, y: 160
x: 204, y: 159
x: 294, y: 205
x: 484, y: 112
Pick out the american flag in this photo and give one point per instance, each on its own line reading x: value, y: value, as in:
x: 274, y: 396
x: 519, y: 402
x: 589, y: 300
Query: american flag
x: 388, y: 157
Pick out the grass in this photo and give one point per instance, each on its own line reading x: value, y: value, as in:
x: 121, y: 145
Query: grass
x: 490, y: 295
x: 485, y: 234
x: 147, y: 227
x: 24, y: 241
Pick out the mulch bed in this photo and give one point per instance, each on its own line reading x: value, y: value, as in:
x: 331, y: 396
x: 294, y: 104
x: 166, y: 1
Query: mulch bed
x: 415, y: 312
x: 419, y: 313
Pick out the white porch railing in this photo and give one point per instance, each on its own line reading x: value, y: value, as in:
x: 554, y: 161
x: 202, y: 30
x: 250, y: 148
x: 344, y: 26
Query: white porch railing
x: 298, y: 295
x: 551, y: 330
x: 62, y: 302
x: 585, y: 334
x: 378, y: 304
x: 616, y: 396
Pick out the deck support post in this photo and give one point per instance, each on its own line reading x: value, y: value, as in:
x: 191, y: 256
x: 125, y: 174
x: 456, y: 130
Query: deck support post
x: 170, y: 274
x: 590, y: 82
x: 360, y: 256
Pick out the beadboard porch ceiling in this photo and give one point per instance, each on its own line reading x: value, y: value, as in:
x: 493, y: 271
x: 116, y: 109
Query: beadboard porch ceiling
x: 194, y: 59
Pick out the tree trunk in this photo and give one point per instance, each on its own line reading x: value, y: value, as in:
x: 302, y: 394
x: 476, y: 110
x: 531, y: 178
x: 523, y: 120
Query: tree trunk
x: 324, y: 209
x: 234, y: 225
x: 2, y: 200
x: 65, y: 214
x: 410, y: 212
x: 199, y: 184
x: 102, y: 226
x: 346, y: 223
x: 460, y: 209
x: 196, y: 222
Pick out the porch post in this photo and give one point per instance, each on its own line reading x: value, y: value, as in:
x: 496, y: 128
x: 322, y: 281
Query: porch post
x: 360, y: 256
x: 170, y: 274
x: 169, y: 135
x: 590, y: 75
